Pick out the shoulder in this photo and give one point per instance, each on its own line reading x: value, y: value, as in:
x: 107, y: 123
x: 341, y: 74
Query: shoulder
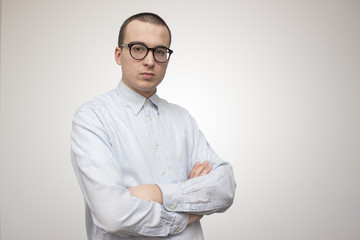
x: 172, y: 108
x: 177, y: 113
x: 98, y: 105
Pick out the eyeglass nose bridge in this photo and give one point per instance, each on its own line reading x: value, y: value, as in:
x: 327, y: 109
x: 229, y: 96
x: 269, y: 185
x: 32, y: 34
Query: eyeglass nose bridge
x: 147, y: 52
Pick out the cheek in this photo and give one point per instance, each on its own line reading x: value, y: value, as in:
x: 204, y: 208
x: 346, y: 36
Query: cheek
x: 128, y: 68
x: 163, y: 71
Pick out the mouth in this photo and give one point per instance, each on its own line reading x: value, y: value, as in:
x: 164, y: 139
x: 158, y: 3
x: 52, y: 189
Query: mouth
x: 147, y: 75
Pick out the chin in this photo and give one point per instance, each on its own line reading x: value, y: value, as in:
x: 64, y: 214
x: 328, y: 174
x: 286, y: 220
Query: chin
x: 148, y: 85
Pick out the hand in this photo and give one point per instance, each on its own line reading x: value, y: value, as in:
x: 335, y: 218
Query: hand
x: 193, y: 218
x: 200, y: 169
x: 148, y: 192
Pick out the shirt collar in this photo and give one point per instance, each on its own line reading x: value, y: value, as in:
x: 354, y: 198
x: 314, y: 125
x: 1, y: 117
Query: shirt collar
x: 135, y: 100
x: 156, y: 101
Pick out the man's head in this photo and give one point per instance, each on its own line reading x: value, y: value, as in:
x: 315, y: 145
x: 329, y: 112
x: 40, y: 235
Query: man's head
x: 142, y: 17
x: 143, y: 75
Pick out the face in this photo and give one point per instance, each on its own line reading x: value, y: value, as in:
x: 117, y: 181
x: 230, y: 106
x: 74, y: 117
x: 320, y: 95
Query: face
x: 143, y: 76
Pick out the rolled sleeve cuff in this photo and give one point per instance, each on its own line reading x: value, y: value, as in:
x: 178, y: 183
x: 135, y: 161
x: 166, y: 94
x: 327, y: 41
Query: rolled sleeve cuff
x: 181, y: 221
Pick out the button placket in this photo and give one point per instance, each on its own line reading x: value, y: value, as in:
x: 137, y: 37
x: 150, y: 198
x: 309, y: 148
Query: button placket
x: 152, y: 121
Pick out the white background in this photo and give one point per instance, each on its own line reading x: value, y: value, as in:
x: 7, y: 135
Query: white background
x: 274, y: 86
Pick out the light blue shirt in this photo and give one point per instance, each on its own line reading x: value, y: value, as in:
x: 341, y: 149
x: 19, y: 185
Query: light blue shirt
x: 120, y: 140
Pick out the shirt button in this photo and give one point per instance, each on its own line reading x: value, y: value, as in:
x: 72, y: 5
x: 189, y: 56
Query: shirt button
x: 147, y: 102
x: 177, y: 230
x: 172, y: 207
x: 150, y: 118
x: 164, y: 172
x: 157, y: 144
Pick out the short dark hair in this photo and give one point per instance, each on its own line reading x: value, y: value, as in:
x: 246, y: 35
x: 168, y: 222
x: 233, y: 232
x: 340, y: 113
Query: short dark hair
x: 143, y: 17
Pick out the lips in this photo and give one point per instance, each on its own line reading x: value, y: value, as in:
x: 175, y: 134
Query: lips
x: 147, y: 75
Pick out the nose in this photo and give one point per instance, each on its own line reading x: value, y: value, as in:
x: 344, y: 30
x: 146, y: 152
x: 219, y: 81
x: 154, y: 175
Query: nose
x: 149, y: 59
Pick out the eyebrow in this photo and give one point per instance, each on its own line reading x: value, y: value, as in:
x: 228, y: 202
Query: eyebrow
x: 138, y: 42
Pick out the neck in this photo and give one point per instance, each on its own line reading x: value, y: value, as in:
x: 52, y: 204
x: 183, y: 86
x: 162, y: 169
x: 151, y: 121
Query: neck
x: 144, y: 93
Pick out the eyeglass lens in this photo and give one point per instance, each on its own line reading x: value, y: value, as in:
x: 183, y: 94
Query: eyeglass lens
x: 139, y: 51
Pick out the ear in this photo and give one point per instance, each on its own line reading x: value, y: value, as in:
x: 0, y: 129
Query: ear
x: 118, y: 55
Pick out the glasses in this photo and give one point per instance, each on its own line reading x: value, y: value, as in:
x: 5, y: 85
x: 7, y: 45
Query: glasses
x: 139, y: 51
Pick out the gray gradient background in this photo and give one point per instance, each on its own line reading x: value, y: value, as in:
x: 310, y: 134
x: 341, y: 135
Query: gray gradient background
x: 274, y: 85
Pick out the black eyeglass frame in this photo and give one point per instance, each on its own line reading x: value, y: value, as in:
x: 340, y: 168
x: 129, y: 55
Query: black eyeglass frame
x: 129, y: 45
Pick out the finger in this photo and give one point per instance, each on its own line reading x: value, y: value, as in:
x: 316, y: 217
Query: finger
x: 206, y: 170
x: 201, y: 168
x: 192, y: 173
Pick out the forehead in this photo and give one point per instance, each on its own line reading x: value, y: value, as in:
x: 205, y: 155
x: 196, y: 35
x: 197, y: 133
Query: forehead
x: 148, y: 33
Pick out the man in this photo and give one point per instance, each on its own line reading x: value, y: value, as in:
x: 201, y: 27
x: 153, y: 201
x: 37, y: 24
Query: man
x: 144, y: 168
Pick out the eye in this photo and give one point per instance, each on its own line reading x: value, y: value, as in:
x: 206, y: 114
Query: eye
x: 138, y: 48
x: 160, y: 51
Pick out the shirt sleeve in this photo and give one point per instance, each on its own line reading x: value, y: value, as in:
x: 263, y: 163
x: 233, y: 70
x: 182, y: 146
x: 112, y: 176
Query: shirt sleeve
x: 112, y: 207
x: 213, y: 192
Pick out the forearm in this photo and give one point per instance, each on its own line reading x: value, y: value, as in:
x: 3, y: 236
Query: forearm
x: 148, y: 192
x: 206, y: 194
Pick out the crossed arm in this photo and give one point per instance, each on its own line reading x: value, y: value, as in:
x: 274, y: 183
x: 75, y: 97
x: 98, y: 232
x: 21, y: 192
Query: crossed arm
x: 151, y: 192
